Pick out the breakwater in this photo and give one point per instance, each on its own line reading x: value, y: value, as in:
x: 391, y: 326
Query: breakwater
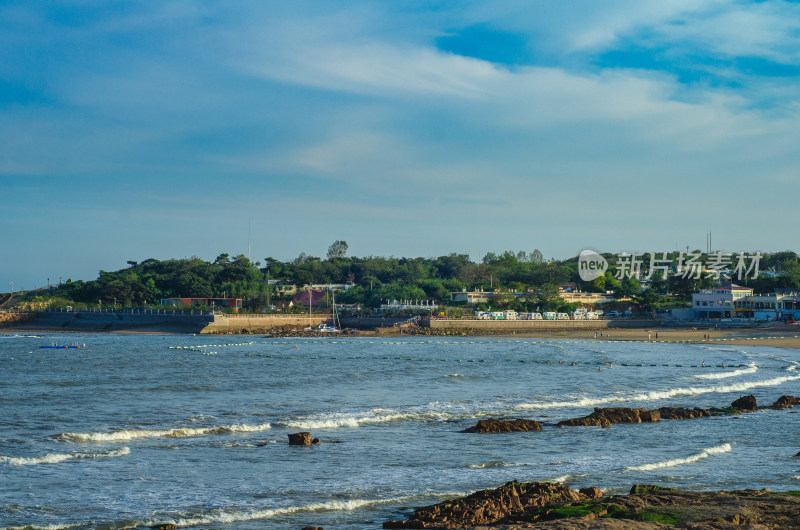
x: 157, y: 320
x: 467, y: 325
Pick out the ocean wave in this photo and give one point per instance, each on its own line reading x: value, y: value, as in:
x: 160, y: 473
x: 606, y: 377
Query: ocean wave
x: 37, y: 527
x: 55, y: 458
x: 183, y: 432
x: 425, y: 413
x: 657, y: 395
x: 561, y: 479
x: 751, y: 369
x: 223, y: 517
x: 705, y: 453
x: 494, y: 464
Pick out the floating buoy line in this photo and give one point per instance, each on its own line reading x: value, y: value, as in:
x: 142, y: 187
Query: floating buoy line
x: 204, y: 349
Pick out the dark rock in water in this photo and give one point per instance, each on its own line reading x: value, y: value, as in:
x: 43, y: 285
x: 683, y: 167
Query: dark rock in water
x: 798, y: 454
x: 316, y: 441
x: 745, y: 403
x: 165, y: 526
x: 786, y: 402
x: 593, y: 492
x: 646, y: 489
x: 489, y: 506
x: 494, y: 425
x: 312, y: 528
x: 670, y: 413
x: 300, y: 438
x: 605, y: 417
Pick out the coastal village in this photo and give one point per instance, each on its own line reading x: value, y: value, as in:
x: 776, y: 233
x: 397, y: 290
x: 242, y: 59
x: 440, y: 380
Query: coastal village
x: 505, y: 292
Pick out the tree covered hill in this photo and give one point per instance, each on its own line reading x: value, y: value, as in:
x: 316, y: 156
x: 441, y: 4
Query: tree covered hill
x: 377, y: 279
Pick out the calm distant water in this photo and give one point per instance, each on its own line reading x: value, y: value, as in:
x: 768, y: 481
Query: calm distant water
x: 133, y: 431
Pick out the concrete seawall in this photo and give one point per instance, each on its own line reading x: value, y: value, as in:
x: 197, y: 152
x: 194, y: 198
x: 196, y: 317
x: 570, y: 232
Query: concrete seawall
x: 533, y: 325
x: 92, y: 321
x: 262, y: 323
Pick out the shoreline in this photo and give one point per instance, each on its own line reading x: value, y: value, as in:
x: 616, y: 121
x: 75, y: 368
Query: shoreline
x: 785, y: 336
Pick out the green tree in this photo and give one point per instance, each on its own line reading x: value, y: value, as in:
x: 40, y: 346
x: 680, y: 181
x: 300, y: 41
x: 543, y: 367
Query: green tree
x: 337, y: 250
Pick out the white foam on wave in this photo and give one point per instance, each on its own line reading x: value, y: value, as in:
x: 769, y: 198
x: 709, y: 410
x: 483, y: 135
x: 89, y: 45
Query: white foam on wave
x: 183, y: 432
x: 494, y: 464
x: 561, y: 479
x: 55, y: 458
x: 751, y: 369
x: 430, y: 412
x: 705, y: 453
x: 37, y: 527
x: 223, y: 517
x: 657, y: 395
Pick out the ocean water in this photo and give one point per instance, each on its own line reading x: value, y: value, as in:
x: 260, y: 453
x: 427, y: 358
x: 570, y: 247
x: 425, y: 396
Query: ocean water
x: 136, y: 430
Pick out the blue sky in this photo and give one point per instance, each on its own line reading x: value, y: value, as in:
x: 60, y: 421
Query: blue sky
x: 133, y: 130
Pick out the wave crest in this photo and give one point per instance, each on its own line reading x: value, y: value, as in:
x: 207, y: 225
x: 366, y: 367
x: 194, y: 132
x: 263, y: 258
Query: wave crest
x: 705, y: 453
x: 182, y: 432
x: 55, y: 458
x: 232, y: 517
x: 751, y: 369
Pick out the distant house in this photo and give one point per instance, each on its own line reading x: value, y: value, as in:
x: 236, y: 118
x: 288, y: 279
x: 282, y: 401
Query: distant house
x: 569, y: 287
x: 280, y: 305
x: 470, y: 297
x: 310, y: 297
x: 233, y: 303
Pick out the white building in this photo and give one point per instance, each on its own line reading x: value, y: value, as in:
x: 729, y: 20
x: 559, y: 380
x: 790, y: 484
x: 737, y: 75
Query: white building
x: 780, y: 305
x: 718, y: 302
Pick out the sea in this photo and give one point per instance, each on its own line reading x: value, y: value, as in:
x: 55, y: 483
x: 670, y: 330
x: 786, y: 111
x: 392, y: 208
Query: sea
x: 135, y: 431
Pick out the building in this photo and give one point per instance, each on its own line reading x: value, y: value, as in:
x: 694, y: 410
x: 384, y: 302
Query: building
x: 310, y: 297
x: 780, y: 305
x: 470, y: 297
x: 718, y: 302
x: 228, y: 303
x: 589, y: 299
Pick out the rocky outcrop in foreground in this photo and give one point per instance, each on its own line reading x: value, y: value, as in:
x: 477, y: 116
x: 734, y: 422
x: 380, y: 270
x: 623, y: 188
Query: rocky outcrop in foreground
x: 489, y: 506
x: 546, y: 505
x: 494, y: 425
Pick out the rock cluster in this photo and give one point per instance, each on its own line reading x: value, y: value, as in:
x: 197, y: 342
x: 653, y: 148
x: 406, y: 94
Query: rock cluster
x: 745, y: 403
x: 545, y: 505
x: 302, y: 438
x: 605, y: 417
x: 495, y: 425
x: 786, y: 402
x: 489, y: 506
x: 670, y: 413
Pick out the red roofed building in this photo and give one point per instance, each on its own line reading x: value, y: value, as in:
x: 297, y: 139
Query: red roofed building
x: 313, y: 297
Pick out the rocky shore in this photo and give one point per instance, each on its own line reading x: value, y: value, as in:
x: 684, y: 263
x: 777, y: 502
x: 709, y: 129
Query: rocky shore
x: 607, y: 416
x: 517, y: 505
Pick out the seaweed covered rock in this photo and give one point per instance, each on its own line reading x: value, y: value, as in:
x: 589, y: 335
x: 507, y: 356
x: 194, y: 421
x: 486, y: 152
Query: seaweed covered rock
x: 495, y: 425
x: 670, y: 413
x: 489, y: 506
x: 605, y: 417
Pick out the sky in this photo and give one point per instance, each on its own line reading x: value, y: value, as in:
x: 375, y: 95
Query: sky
x: 171, y: 129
